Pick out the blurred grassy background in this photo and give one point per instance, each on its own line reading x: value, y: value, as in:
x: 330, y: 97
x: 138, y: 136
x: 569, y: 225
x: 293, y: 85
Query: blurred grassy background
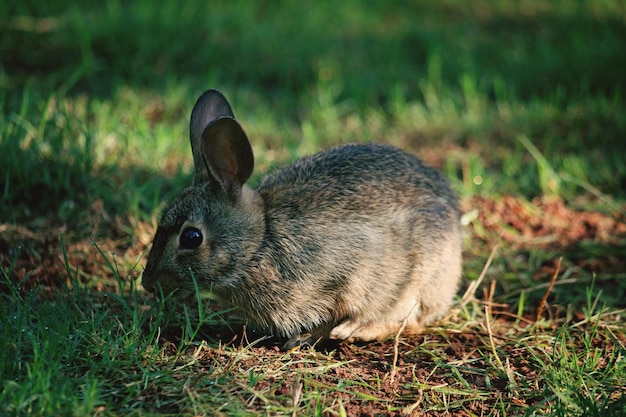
x: 523, y: 97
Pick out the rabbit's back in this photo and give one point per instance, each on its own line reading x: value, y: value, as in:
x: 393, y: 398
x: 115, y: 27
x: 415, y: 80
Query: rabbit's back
x: 357, y: 180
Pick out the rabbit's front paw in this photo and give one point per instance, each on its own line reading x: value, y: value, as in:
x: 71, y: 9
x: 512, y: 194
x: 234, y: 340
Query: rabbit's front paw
x: 307, y: 339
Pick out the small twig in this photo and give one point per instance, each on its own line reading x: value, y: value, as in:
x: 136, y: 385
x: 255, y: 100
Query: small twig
x: 544, y: 300
x: 492, y: 343
x: 492, y: 291
x: 471, y: 289
x: 396, y: 343
x: 514, y: 316
x: 297, y: 391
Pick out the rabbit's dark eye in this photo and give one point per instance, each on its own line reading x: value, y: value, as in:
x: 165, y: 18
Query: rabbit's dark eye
x: 190, y: 238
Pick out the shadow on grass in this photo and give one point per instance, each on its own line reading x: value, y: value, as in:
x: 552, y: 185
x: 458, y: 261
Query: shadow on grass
x: 372, y: 51
x: 372, y: 48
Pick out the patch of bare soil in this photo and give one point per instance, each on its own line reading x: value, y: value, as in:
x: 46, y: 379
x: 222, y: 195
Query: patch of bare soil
x: 546, y: 222
x: 47, y: 256
x: 591, y: 240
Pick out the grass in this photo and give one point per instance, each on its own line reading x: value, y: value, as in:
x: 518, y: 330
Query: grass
x: 520, y: 103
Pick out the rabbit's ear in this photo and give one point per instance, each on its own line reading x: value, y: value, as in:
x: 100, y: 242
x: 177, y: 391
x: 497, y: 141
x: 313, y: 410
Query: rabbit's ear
x: 228, y: 155
x: 210, y: 106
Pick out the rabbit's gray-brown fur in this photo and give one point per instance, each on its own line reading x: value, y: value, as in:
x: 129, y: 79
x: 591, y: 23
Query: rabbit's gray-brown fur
x: 349, y: 243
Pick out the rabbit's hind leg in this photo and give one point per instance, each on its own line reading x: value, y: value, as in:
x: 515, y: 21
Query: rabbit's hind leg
x: 353, y: 330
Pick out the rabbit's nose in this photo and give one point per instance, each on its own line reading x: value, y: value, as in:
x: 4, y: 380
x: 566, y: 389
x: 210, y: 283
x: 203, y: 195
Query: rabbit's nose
x: 147, y: 282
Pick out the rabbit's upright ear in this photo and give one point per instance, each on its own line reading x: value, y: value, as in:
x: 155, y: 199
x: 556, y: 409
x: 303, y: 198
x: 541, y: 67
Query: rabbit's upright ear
x: 228, y: 155
x: 210, y: 106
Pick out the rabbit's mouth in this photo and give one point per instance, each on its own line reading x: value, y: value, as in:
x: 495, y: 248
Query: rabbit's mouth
x: 162, y: 288
x: 174, y: 293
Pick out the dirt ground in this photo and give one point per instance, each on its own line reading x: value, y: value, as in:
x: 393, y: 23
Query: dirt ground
x: 35, y: 257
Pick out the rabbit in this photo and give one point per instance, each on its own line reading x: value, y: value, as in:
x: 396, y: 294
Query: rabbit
x: 352, y: 243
